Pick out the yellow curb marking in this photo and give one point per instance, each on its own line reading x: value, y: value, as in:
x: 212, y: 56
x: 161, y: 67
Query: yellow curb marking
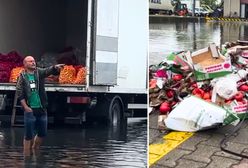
x: 226, y: 19
x: 171, y: 141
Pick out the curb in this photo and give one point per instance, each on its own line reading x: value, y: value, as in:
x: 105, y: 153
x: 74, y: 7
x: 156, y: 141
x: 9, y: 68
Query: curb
x: 225, y: 19
x: 170, y: 142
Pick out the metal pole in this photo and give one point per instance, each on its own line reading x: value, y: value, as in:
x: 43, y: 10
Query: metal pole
x: 193, y: 8
x: 230, y: 8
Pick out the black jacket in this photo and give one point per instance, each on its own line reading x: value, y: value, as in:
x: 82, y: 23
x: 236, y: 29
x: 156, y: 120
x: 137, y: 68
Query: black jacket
x: 23, y: 89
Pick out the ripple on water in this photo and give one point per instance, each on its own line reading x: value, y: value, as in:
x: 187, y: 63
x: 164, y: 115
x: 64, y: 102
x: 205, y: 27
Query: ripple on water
x: 92, y: 152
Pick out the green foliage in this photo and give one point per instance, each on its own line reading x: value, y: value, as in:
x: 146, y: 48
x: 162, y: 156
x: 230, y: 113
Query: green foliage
x: 211, y: 3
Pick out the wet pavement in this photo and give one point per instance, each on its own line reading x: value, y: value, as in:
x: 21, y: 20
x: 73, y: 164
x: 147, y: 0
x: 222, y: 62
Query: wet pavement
x: 91, y: 146
x: 168, y: 37
x: 202, y: 149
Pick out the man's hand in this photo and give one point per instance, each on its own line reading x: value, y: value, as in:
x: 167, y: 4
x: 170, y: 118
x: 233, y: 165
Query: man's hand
x: 25, y: 106
x: 59, y: 66
x: 28, y: 109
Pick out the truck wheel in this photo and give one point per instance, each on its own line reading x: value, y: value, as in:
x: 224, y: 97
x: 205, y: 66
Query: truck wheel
x: 115, y: 113
x: 108, y: 110
x: 170, y: 12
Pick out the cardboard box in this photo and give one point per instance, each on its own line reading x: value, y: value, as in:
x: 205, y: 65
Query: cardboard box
x: 209, y: 63
x: 243, y: 58
x: 238, y: 108
x: 181, y: 59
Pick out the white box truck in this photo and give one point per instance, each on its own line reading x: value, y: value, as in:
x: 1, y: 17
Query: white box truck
x: 156, y: 6
x: 167, y: 7
x: 112, y: 37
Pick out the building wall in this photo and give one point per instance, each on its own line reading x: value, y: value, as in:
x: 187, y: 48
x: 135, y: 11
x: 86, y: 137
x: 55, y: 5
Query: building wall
x: 244, y: 1
x: 231, y: 6
x: 190, y: 3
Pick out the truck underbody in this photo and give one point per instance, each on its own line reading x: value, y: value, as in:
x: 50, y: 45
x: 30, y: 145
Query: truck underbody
x: 77, y: 107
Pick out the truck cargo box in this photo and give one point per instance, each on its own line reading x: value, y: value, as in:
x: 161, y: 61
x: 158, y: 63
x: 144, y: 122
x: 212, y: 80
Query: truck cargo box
x: 107, y: 37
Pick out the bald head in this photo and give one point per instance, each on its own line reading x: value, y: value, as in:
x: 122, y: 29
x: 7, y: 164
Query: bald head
x: 29, y: 63
x: 27, y: 58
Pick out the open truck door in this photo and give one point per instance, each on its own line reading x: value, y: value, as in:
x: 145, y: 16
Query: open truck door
x: 104, y: 42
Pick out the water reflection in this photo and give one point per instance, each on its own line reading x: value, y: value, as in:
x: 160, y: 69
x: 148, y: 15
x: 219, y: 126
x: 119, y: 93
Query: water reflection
x: 77, y: 147
x: 170, y: 37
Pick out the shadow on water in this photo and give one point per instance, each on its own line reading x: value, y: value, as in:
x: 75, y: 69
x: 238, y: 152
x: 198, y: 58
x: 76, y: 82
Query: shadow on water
x: 168, y: 37
x: 93, y: 146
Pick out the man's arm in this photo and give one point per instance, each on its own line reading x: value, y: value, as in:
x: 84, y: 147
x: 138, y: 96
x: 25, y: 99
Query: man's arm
x: 52, y: 70
x: 25, y: 106
x: 20, y: 94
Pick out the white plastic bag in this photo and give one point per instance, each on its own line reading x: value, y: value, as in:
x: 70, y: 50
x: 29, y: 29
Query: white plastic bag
x: 226, y: 87
x: 194, y: 114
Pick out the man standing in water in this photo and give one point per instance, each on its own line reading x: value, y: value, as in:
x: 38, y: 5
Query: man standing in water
x: 32, y: 96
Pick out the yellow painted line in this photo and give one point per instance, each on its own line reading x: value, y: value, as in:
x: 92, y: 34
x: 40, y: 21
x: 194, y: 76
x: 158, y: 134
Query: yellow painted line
x: 226, y: 19
x: 171, y: 141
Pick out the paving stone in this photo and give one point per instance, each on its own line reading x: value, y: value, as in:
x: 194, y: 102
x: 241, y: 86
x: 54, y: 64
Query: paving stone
x: 171, y: 158
x: 223, y: 130
x: 227, y: 155
x: 221, y: 162
x: 245, y: 125
x: 154, y: 134
x: 202, y: 153
x: 205, y: 147
x: 214, y: 140
x: 235, y: 147
x: 245, y: 151
x: 241, y: 137
x: 159, y: 140
x: 203, y: 134
x: 158, y: 166
x: 184, y: 163
x: 191, y: 143
x: 242, y: 164
x: 153, y: 120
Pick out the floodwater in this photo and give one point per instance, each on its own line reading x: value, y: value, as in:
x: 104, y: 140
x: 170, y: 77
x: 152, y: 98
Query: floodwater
x: 173, y: 36
x: 93, y: 146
